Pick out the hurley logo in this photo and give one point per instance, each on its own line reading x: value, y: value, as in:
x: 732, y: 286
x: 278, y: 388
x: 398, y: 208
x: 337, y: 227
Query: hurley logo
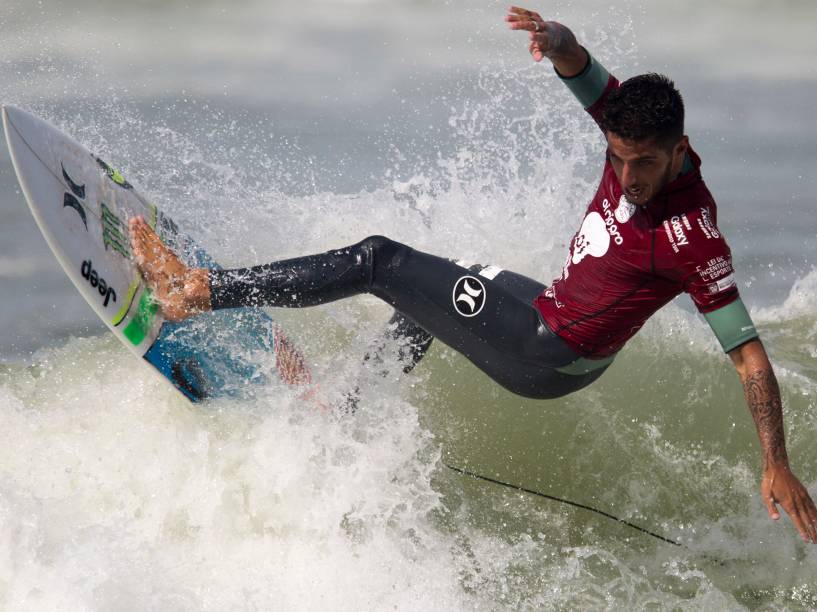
x: 70, y: 199
x: 469, y: 296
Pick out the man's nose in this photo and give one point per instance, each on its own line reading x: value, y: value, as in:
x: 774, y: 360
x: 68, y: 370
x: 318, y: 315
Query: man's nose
x: 627, y: 175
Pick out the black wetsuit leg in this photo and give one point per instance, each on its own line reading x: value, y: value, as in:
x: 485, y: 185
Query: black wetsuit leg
x: 415, y: 341
x: 490, y: 321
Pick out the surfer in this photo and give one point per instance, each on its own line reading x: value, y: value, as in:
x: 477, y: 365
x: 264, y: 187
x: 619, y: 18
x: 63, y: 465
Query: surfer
x: 649, y: 234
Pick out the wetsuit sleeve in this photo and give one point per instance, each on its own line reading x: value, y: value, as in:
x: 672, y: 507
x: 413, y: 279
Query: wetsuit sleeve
x: 591, y: 86
x: 732, y: 325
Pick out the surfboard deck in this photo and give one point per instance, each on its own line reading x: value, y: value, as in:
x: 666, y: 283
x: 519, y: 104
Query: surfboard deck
x: 82, y: 206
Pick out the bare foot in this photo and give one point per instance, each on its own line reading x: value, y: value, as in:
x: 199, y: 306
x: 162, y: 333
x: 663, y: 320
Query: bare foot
x: 180, y: 291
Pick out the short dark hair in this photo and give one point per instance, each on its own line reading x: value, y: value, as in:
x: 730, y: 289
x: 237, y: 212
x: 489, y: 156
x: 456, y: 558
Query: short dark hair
x: 645, y: 107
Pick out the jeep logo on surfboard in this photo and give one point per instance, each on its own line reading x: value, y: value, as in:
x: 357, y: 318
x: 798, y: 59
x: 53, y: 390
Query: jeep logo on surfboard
x: 97, y: 282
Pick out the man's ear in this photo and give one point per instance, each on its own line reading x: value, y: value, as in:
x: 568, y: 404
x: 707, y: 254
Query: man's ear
x: 680, y: 148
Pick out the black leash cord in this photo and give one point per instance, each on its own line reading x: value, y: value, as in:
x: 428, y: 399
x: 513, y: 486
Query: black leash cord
x: 564, y: 501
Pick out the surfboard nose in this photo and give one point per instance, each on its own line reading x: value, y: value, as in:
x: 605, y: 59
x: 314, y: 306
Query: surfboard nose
x: 25, y: 131
x: 28, y: 136
x: 21, y: 121
x: 7, y: 112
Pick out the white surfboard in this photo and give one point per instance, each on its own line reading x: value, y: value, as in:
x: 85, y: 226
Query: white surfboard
x: 82, y: 206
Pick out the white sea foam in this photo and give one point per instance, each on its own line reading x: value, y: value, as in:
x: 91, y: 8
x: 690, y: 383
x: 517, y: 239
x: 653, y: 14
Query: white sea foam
x: 116, y: 493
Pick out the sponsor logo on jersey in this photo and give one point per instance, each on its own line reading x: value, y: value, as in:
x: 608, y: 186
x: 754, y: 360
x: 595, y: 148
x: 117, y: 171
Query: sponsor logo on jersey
x: 675, y: 230
x: 72, y: 199
x: 610, y: 223
x: 550, y: 293
x: 705, y: 223
x: 625, y: 210
x: 722, y: 284
x: 468, y: 296
x: 97, y: 282
x: 593, y: 238
x: 715, y: 268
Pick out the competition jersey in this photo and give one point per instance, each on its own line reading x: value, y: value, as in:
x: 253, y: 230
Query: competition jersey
x: 627, y: 261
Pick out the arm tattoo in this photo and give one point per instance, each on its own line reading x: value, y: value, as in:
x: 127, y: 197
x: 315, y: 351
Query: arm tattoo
x: 763, y: 397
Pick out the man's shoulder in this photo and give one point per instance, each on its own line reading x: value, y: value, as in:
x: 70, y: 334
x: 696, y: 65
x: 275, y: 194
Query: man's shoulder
x: 703, y: 216
x: 691, y: 251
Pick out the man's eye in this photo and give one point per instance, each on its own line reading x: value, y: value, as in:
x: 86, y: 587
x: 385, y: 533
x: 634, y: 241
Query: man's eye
x: 644, y: 162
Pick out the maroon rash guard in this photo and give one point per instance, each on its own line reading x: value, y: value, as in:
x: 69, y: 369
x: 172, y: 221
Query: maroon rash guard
x: 627, y: 261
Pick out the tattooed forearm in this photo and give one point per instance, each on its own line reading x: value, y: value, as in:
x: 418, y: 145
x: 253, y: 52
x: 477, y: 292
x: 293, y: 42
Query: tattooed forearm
x: 763, y: 398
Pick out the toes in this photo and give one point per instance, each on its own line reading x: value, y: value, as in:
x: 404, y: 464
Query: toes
x: 137, y: 233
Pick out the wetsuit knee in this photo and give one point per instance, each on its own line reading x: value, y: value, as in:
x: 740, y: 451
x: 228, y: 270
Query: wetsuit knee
x: 375, y: 243
x: 380, y: 255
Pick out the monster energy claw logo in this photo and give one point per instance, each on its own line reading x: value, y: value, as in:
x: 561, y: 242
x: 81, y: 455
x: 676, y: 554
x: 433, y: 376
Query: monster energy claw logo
x: 469, y: 296
x: 113, y: 232
x: 113, y: 174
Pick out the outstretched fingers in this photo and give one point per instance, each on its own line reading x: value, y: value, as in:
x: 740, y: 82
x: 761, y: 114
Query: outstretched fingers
x: 802, y: 512
x: 771, y: 508
x: 808, y: 514
x: 163, y: 271
x: 790, y: 506
x: 802, y: 522
x: 526, y: 24
x: 523, y: 19
x: 140, y: 241
x: 141, y: 236
x: 517, y: 11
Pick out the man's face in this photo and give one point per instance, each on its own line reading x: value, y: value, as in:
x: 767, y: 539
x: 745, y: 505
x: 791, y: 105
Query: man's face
x: 644, y: 167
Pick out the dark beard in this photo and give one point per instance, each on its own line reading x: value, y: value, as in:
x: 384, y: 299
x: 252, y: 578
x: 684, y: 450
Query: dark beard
x: 665, y: 180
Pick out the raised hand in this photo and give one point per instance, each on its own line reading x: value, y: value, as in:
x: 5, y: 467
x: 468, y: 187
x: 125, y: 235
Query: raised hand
x: 547, y: 38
